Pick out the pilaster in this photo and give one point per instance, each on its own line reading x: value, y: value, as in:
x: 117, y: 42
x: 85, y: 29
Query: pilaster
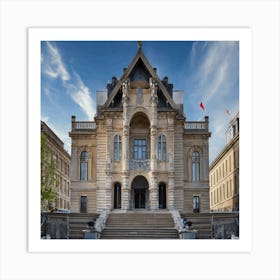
x: 171, y: 168
x: 125, y: 192
x: 154, y: 192
x: 125, y: 148
x: 153, y: 175
x: 108, y: 187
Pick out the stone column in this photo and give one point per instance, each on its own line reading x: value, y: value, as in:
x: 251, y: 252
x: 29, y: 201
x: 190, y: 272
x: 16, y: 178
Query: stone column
x: 171, y: 199
x: 171, y: 169
x: 153, y: 175
x: 108, y: 187
x: 125, y: 147
x: 125, y: 192
x: 154, y: 192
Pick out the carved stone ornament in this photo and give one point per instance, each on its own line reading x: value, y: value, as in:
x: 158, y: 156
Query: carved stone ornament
x: 154, y: 97
x: 139, y: 94
x: 125, y: 87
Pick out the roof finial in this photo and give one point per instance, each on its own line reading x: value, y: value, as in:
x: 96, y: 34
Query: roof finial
x: 139, y: 44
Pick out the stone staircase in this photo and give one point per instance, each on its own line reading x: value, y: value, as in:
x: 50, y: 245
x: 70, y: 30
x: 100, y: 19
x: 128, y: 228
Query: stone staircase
x: 78, y: 222
x: 201, y: 223
x: 140, y: 225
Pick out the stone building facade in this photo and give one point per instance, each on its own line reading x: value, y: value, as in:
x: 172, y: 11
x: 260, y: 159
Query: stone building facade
x: 62, y: 167
x: 139, y: 152
x: 224, y: 173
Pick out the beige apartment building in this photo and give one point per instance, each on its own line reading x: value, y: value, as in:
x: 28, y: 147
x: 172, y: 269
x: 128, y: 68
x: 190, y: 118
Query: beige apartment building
x: 224, y: 173
x: 62, y: 167
x: 140, y: 152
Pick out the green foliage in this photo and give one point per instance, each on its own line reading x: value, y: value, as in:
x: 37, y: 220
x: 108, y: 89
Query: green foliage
x: 48, y: 177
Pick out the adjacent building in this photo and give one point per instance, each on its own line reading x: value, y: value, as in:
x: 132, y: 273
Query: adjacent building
x: 139, y: 152
x: 224, y: 172
x: 62, y: 167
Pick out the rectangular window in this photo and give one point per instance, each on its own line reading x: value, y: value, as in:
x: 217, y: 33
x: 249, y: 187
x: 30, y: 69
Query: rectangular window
x: 83, y: 204
x: 196, y: 204
x: 140, y: 149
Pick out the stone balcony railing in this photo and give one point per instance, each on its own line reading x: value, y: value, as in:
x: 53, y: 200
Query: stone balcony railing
x: 197, y: 125
x: 84, y: 125
x: 139, y: 164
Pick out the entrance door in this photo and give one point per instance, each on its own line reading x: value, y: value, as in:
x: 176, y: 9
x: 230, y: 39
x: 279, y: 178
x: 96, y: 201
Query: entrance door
x: 117, y: 196
x: 139, y: 192
x: 162, y: 196
x: 140, y: 198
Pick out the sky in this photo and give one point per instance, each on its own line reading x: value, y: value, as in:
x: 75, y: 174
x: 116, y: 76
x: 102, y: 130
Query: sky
x: 207, y: 72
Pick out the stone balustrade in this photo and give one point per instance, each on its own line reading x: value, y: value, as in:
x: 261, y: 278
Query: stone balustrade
x: 197, y: 125
x: 83, y: 125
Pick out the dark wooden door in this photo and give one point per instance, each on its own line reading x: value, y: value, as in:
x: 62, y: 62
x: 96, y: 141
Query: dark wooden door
x: 140, y: 198
x: 162, y: 196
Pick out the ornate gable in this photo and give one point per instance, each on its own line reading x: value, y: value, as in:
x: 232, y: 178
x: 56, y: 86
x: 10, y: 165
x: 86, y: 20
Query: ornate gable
x: 139, y: 75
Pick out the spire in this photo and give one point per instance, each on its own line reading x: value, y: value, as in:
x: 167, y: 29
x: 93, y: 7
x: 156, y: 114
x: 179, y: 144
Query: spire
x: 139, y: 44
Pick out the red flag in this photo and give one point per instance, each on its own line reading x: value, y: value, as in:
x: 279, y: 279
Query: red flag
x: 202, y: 106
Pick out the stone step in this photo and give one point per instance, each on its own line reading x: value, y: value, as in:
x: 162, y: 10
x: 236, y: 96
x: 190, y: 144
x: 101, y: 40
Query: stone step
x: 139, y: 225
x: 79, y: 222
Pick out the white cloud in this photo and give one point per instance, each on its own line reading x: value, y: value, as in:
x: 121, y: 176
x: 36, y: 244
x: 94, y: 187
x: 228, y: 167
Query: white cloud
x: 54, y: 67
x: 216, y: 64
x: 215, y: 84
x: 81, y: 95
x: 45, y: 119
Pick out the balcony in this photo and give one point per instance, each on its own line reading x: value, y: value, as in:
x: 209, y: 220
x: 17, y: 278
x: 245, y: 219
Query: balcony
x: 197, y: 125
x: 139, y: 164
x: 83, y: 126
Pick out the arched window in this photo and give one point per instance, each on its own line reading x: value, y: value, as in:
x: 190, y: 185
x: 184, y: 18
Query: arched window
x: 84, y: 166
x: 162, y: 147
x: 117, y: 147
x: 195, y: 166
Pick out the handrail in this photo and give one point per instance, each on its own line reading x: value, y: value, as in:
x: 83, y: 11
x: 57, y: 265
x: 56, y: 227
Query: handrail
x: 101, y: 220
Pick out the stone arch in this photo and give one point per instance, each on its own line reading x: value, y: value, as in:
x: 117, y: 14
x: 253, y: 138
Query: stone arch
x: 139, y: 192
x: 140, y: 111
x: 139, y: 137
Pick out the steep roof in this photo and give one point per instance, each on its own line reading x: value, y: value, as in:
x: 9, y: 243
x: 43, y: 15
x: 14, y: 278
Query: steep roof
x: 140, y: 68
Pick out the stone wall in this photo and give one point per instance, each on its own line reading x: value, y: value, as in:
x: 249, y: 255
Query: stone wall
x: 56, y: 226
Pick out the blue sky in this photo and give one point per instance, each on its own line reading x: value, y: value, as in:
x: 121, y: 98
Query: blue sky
x: 72, y: 72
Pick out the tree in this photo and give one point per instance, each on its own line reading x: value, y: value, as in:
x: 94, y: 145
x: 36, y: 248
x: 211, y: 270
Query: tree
x: 48, y: 177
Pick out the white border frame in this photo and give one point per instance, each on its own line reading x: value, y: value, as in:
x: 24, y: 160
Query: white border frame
x: 243, y: 35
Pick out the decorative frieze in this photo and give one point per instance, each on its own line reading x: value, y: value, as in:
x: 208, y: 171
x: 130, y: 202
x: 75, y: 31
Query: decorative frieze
x: 139, y: 164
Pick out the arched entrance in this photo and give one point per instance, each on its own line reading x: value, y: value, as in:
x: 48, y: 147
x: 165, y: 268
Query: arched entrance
x: 162, y: 196
x: 117, y: 196
x: 139, y: 192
